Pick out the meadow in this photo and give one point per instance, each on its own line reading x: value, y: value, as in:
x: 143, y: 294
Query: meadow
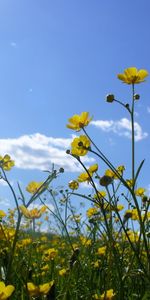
x: 102, y: 254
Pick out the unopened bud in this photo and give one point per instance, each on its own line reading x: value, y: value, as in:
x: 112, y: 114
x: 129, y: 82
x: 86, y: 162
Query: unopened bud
x: 136, y: 97
x: 110, y: 98
x: 106, y: 180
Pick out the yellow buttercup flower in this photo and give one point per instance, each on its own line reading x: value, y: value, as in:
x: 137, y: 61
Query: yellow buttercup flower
x: 73, y: 184
x: 50, y: 254
x: 140, y: 192
x: 80, y: 145
x: 92, y: 211
x: 93, y: 168
x: 2, y: 214
x: 34, y: 186
x: 101, y: 250
x: 33, y: 213
x: 77, y: 122
x: 108, y: 295
x: 40, y: 290
x: 63, y: 272
x: 133, y: 76
x: 84, y: 177
x: 5, y: 291
x: 6, y: 163
x: 100, y: 195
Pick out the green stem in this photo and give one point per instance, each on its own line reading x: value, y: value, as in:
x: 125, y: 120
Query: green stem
x: 133, y: 136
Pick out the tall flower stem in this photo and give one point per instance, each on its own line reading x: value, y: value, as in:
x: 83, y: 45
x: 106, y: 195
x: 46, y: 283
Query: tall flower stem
x: 133, y: 136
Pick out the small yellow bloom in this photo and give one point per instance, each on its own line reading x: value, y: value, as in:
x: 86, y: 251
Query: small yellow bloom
x: 73, y: 184
x: 2, y: 214
x: 108, y: 295
x: 40, y: 290
x: 34, y: 186
x: 140, y: 192
x: 63, y: 272
x: 33, y: 213
x: 100, y: 195
x: 77, y: 122
x: 92, y: 211
x: 6, y: 163
x: 80, y: 145
x: 133, y: 76
x: 84, y: 177
x: 5, y: 291
x: 130, y: 182
x: 101, y: 250
x: 93, y: 168
x: 50, y: 254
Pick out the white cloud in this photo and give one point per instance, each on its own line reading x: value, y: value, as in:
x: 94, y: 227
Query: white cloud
x: 39, y: 206
x: 5, y: 202
x: 121, y: 127
x: 37, y: 151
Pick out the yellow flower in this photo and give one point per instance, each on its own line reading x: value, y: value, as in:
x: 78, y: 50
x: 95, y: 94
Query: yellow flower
x: 40, y: 290
x: 85, y: 241
x: 111, y: 174
x: 63, y: 272
x: 73, y: 184
x: 25, y: 242
x: 6, y: 163
x: 50, y: 254
x: 108, y: 295
x: 79, y: 121
x: 91, y: 212
x: 84, y: 177
x: 135, y: 215
x: 93, y: 168
x: 140, y: 192
x: 33, y: 213
x: 130, y: 182
x: 2, y: 214
x: 34, y: 186
x: 80, y: 145
x: 100, y: 195
x: 132, y: 75
x: 5, y: 291
x: 101, y: 250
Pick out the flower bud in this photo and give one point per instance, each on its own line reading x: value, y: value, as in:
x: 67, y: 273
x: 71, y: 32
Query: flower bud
x: 110, y: 98
x: 136, y: 96
x: 106, y: 180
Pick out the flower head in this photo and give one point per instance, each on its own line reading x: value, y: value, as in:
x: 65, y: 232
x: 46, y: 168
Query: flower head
x: 73, y: 184
x: 80, y: 145
x: 34, y: 187
x: 33, y: 213
x: 108, y: 295
x: 132, y: 75
x: 5, y: 291
x: 40, y: 290
x: 6, y: 162
x: 77, y: 122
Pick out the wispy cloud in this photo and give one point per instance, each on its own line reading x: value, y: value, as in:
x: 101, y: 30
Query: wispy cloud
x: 5, y: 202
x: 39, y: 206
x: 148, y: 109
x: 37, y: 151
x: 13, y: 44
x: 121, y: 127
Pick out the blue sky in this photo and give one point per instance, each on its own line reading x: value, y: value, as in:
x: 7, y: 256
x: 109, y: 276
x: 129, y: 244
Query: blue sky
x: 62, y: 57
